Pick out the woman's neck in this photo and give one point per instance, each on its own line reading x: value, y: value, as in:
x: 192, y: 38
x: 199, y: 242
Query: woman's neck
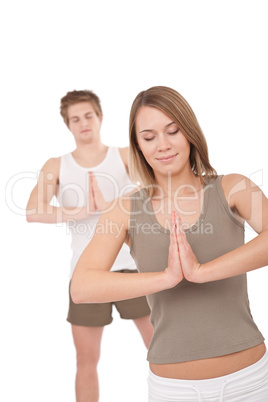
x: 180, y: 185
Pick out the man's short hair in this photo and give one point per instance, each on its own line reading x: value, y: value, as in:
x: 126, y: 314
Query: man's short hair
x: 73, y: 97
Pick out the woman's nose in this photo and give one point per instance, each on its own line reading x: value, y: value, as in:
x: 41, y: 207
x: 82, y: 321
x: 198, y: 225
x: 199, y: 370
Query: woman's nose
x: 163, y: 143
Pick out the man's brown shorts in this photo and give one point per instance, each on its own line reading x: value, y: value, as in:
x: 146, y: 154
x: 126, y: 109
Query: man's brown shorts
x: 100, y: 314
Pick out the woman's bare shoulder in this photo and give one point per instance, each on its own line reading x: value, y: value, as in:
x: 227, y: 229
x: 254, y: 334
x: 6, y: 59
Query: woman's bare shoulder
x: 234, y: 183
x: 118, y: 211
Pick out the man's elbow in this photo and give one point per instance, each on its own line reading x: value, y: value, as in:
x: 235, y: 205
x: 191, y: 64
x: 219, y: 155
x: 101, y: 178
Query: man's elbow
x: 31, y: 212
x: 30, y: 217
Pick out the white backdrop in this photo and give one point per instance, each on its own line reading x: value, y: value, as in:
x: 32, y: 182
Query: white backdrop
x: 213, y: 52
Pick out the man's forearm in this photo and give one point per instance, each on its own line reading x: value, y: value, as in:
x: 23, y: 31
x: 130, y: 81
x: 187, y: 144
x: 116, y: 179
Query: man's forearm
x: 50, y: 214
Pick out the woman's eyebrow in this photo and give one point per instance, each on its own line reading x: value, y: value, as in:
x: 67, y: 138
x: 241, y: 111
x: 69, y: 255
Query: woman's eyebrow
x: 148, y: 130
x: 169, y: 124
x: 143, y: 131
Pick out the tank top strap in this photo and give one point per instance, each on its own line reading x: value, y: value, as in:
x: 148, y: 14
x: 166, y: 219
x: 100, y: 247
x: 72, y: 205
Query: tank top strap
x: 112, y: 152
x: 65, y: 159
x: 218, y: 200
x: 113, y: 155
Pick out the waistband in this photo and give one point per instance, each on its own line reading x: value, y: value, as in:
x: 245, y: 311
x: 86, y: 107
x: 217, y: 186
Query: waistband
x: 244, y: 379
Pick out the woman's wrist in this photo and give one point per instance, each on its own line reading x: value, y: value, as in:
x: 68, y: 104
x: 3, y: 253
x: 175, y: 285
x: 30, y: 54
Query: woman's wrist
x: 206, y: 273
x: 169, y: 280
x: 198, y: 275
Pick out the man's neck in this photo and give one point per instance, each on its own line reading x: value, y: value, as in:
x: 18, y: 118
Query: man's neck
x: 90, y: 154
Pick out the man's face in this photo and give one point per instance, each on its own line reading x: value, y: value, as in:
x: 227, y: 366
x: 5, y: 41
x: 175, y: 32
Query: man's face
x: 84, y: 123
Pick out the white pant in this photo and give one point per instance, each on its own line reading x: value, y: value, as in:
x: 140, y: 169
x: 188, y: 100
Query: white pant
x: 247, y: 385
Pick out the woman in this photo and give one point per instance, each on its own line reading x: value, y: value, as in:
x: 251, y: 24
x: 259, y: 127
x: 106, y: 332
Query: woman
x: 186, y: 234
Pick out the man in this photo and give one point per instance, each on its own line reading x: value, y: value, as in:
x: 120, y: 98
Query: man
x: 85, y: 182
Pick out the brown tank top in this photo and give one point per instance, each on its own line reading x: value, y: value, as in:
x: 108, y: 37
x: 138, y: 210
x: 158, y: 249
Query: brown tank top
x: 194, y: 321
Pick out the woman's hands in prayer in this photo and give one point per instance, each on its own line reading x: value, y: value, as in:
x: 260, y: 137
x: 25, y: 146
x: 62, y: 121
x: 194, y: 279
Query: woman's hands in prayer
x: 182, y: 262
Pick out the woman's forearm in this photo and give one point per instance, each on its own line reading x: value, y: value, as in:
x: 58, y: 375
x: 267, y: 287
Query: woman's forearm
x: 96, y: 286
x: 248, y: 257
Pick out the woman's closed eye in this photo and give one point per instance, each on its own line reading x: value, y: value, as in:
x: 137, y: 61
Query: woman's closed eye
x: 174, y: 132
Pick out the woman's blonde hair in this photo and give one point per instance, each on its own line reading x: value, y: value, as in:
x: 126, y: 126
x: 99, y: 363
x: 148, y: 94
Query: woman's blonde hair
x: 177, y: 108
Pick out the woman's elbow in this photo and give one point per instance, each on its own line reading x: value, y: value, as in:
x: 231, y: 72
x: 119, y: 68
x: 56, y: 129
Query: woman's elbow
x: 76, y: 294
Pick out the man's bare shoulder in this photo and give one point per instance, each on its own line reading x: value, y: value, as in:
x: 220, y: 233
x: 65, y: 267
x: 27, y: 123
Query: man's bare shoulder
x: 52, y: 166
x: 53, y: 162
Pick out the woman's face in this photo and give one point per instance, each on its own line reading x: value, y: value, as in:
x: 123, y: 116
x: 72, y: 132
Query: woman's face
x: 162, y: 143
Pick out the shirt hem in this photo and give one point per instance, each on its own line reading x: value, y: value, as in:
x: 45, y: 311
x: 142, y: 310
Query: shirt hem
x: 206, y: 354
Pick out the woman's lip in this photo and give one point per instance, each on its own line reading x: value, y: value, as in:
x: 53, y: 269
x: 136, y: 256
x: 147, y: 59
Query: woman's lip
x: 85, y: 131
x: 167, y: 158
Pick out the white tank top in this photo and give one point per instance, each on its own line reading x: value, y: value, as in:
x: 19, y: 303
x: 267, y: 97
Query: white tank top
x: 113, y: 181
